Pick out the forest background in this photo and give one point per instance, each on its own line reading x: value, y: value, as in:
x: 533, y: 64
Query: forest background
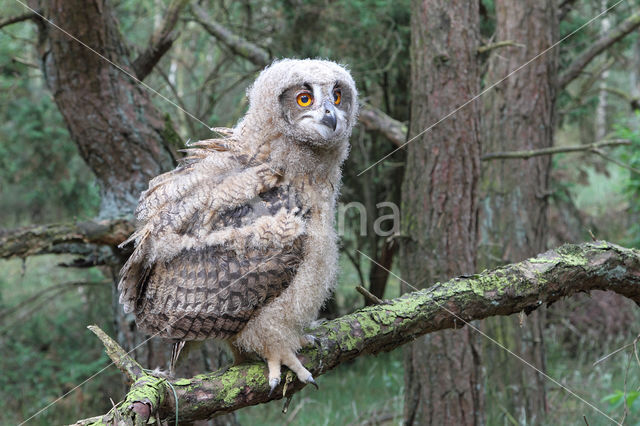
x: 69, y: 157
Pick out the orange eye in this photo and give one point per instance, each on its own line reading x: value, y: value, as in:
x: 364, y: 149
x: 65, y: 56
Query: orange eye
x: 304, y: 99
x: 337, y: 97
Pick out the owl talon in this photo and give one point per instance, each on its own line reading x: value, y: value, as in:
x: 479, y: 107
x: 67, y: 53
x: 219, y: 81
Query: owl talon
x: 309, y: 340
x: 273, y: 383
x: 313, y: 382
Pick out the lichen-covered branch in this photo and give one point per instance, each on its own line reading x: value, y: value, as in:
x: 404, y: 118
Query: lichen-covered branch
x: 523, y: 286
x: 600, y: 45
x: 58, y: 238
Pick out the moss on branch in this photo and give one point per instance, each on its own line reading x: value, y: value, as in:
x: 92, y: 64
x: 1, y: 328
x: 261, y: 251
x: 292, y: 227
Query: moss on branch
x: 523, y: 286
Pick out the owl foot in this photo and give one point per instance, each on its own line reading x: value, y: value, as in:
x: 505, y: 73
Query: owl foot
x: 308, y: 340
x: 289, y: 359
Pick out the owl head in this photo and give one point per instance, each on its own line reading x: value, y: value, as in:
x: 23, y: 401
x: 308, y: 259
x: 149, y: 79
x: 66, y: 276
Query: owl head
x: 312, y: 103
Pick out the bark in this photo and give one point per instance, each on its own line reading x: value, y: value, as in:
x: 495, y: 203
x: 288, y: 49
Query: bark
x: 519, y: 116
x: 603, y: 43
x: 121, y: 136
x: 442, y: 376
x: 525, y: 286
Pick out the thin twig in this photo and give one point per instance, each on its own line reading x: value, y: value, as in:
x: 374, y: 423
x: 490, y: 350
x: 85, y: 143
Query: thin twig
x: 604, y: 358
x: 614, y: 161
x: 554, y: 150
x: 497, y: 45
x: 18, y: 18
x: 368, y: 295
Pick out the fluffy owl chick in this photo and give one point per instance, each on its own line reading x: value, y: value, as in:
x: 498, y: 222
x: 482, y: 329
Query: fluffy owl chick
x: 238, y: 242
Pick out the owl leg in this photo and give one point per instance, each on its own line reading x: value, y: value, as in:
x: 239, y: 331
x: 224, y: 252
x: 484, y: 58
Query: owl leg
x: 274, y: 373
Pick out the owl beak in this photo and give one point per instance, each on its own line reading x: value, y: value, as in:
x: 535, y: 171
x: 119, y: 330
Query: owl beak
x: 329, y: 118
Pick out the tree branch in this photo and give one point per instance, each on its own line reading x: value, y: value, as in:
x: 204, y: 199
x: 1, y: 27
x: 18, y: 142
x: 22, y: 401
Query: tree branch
x: 554, y: 150
x: 375, y: 120
x: 564, y: 8
x: 603, y: 43
x: 372, y: 118
x: 237, y: 44
x: 57, y: 238
x: 523, y: 286
x: 18, y: 18
x: 160, y: 42
x: 505, y: 43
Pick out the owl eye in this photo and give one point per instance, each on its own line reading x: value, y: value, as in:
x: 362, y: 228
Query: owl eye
x: 337, y: 97
x: 304, y: 99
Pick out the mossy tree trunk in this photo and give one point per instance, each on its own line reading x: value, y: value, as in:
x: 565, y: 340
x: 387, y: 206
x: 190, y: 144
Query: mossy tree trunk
x: 518, y: 115
x: 439, y: 205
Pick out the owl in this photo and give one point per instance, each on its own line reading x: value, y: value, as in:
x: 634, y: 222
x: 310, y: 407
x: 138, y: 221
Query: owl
x: 238, y: 242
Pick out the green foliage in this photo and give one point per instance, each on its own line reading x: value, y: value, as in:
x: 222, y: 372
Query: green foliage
x: 42, y: 177
x: 49, y: 349
x: 620, y: 399
x: 631, y: 156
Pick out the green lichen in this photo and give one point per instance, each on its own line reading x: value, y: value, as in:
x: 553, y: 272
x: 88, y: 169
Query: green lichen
x: 182, y: 382
x: 230, y: 388
x: 148, y: 389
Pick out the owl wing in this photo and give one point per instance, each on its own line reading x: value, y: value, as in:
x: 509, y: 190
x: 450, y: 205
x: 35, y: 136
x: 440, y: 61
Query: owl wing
x: 218, y: 238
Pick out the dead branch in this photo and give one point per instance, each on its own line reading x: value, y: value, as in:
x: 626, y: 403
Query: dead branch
x: 237, y: 44
x: 18, y: 18
x: 514, y: 288
x: 377, y: 121
x: 602, y: 154
x: 160, y: 42
x: 57, y: 238
x: 554, y: 150
x: 602, y: 44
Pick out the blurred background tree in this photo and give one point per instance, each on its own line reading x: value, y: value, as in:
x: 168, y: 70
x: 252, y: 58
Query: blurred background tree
x: 79, y: 140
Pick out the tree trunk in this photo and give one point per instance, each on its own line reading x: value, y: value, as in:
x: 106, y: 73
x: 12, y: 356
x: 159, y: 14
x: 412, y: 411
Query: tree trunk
x: 123, y: 138
x: 119, y: 133
x: 518, y: 115
x: 442, y: 375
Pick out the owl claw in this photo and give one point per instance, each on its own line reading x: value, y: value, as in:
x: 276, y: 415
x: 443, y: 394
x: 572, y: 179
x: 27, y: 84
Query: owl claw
x: 273, y: 383
x: 313, y: 382
x: 309, y: 340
